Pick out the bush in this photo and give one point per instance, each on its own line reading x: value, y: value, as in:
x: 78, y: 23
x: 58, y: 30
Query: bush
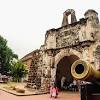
x: 12, y: 87
x: 20, y: 90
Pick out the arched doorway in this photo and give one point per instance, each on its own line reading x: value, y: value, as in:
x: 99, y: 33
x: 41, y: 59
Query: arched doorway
x: 63, y: 71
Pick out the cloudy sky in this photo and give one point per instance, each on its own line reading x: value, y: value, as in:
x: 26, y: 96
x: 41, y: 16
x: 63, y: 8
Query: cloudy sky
x: 24, y: 22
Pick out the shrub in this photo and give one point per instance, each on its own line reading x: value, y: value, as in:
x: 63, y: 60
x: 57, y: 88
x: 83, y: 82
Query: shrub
x: 20, y: 90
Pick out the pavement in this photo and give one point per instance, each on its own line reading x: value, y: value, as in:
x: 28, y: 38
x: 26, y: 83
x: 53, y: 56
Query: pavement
x: 62, y: 96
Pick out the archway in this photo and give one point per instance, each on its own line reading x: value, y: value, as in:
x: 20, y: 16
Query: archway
x: 63, y: 71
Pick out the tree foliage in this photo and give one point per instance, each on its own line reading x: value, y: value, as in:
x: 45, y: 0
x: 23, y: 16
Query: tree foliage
x: 18, y: 71
x: 6, y: 56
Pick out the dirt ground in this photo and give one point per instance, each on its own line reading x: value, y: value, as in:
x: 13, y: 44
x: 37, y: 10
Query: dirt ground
x: 62, y: 96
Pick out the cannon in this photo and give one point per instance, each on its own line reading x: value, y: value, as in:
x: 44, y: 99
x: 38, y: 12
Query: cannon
x: 86, y: 73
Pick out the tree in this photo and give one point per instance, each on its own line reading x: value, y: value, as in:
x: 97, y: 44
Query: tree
x: 6, y: 56
x: 18, y: 71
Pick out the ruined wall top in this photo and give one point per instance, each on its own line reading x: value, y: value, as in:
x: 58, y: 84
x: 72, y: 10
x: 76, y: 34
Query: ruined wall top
x: 65, y: 17
x: 69, y: 11
x: 29, y: 55
x: 86, y: 29
x: 74, y: 33
x: 90, y: 13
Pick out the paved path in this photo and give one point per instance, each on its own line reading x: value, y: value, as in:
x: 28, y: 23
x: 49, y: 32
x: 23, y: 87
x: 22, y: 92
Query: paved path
x: 62, y: 96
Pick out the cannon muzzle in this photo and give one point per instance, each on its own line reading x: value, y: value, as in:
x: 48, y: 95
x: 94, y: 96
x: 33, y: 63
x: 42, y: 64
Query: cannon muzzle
x: 81, y: 70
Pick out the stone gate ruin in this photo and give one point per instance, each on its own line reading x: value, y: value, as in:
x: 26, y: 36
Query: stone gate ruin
x: 62, y: 46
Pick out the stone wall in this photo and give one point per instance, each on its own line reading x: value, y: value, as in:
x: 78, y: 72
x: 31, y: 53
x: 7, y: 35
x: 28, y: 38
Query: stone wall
x: 35, y: 71
x: 79, y: 39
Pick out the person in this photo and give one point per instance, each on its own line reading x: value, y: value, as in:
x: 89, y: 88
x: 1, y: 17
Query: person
x: 53, y: 91
x: 51, y: 88
x: 75, y: 86
x: 62, y: 82
x: 57, y: 91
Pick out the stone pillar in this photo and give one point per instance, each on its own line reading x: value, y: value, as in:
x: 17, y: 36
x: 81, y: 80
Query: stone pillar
x: 49, y: 63
x: 73, y: 18
x: 65, y: 19
x: 97, y: 57
x: 53, y: 75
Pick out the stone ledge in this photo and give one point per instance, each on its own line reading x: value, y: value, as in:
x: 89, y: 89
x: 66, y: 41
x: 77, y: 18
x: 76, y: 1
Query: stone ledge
x: 22, y: 94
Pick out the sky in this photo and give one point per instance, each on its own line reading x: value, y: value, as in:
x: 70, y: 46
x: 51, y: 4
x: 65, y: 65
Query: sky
x: 23, y: 23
